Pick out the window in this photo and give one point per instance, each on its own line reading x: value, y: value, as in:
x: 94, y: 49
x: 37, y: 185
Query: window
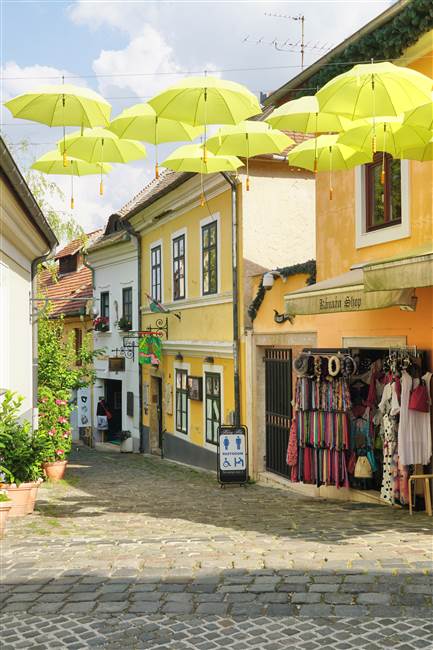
x: 181, y: 401
x: 212, y: 406
x: 78, y: 341
x: 179, y: 267
x: 68, y: 264
x: 383, y: 192
x: 127, y: 304
x: 209, y: 258
x: 155, y: 281
x: 105, y: 304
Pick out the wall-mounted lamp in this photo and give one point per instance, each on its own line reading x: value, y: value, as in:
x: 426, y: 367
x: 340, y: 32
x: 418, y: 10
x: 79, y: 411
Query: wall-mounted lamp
x: 178, y: 357
x: 208, y: 359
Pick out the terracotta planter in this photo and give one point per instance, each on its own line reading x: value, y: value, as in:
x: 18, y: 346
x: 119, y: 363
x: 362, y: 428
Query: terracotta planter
x: 55, y: 471
x: 33, y: 493
x: 19, y: 497
x: 5, y: 508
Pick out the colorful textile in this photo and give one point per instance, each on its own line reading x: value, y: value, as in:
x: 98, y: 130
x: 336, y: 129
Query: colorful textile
x: 292, y: 448
x: 314, y: 395
x: 150, y: 350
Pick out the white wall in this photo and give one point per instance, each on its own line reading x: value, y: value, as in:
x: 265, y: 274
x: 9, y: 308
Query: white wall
x: 279, y: 217
x: 115, y: 269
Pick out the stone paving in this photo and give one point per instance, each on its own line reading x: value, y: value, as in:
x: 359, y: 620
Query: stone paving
x: 135, y: 552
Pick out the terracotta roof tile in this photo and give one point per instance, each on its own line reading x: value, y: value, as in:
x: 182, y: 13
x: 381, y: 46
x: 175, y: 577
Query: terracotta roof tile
x: 76, y: 244
x: 70, y: 285
x: 165, y: 180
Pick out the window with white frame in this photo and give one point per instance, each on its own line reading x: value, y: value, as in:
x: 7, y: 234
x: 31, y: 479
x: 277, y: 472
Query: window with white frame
x: 212, y: 406
x: 178, y: 244
x: 209, y: 241
x: 156, y: 273
x: 181, y: 400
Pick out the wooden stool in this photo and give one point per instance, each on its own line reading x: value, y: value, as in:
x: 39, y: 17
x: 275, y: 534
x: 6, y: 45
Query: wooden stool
x: 427, y: 496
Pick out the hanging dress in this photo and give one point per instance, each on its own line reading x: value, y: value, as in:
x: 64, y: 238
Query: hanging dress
x: 414, y: 431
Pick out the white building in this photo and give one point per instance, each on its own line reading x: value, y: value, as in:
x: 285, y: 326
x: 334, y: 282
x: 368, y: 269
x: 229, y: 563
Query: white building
x: 113, y: 259
x: 25, y: 240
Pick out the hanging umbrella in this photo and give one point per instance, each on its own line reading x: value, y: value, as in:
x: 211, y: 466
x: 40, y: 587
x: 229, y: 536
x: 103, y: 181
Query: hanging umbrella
x: 303, y: 115
x: 190, y: 158
x: 392, y: 135
x: 140, y: 122
x: 100, y: 145
x: 422, y: 154
x: 248, y: 139
x: 421, y: 116
x: 206, y: 100
x: 372, y: 89
x: 327, y: 154
x: 52, y: 163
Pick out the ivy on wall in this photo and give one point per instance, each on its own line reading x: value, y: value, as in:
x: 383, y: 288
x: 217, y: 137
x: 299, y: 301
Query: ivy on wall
x: 308, y: 268
x: 386, y: 42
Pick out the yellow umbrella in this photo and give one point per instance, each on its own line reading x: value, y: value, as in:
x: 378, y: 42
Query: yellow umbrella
x: 100, y: 145
x: 327, y: 154
x: 190, y: 158
x: 140, y: 122
x: 392, y: 135
x: 248, y: 139
x: 52, y: 163
x: 304, y: 115
x: 421, y: 116
x: 422, y: 154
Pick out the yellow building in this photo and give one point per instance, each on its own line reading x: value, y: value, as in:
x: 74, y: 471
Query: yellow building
x: 198, y: 261
x: 374, y: 272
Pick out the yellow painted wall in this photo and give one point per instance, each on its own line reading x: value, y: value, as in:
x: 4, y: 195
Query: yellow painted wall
x: 335, y: 237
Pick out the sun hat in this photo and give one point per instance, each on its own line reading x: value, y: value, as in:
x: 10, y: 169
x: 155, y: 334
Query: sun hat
x: 302, y: 364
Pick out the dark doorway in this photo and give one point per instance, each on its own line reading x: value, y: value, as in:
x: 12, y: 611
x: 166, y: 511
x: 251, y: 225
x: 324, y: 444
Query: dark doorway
x: 159, y: 410
x: 113, y: 400
x: 278, y: 372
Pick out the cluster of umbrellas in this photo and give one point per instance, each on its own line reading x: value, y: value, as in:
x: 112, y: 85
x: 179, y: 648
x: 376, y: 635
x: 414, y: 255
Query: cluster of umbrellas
x: 372, y: 107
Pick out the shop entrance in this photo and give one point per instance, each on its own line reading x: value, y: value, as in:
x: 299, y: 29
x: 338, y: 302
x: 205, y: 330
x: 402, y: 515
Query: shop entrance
x: 156, y: 415
x: 113, y: 400
x: 278, y: 387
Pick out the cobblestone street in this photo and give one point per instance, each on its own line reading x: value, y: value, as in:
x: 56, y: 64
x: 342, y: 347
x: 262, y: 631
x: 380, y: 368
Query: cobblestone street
x: 134, y: 552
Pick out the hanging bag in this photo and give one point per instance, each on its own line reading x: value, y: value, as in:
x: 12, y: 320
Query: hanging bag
x: 363, y: 468
x: 419, y: 398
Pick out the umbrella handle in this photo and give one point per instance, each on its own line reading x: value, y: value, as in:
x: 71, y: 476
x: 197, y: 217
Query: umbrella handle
x: 72, y: 192
x: 156, y: 148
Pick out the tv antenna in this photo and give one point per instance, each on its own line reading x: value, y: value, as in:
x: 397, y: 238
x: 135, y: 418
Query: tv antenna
x: 301, y: 19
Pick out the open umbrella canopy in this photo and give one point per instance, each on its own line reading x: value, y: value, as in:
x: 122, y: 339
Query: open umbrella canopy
x: 140, y: 122
x: 62, y: 105
x: 331, y: 155
x: 419, y: 153
x: 304, y: 115
x: 248, y: 139
x: 100, y: 145
x: 206, y: 100
x: 52, y: 163
x: 190, y: 158
x: 372, y: 89
x: 421, y: 116
x: 392, y: 135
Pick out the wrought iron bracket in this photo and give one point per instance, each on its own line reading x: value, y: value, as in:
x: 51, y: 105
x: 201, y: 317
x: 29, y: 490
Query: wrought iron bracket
x: 127, y: 351
x: 282, y: 318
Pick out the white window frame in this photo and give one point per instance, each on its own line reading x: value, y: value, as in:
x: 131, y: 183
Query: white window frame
x: 390, y: 233
x: 153, y: 245
x: 210, y: 367
x: 206, y: 222
x: 180, y: 365
x: 174, y: 235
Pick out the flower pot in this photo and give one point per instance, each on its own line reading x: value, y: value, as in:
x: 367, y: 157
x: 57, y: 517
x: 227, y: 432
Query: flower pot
x: 19, y: 497
x: 5, y: 508
x: 33, y: 493
x: 56, y: 470
x: 126, y: 445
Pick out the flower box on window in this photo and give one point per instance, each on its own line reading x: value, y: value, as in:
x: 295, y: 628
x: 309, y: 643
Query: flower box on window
x: 101, y: 324
x: 124, y: 324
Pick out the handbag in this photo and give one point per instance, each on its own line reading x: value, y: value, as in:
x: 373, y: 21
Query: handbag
x: 363, y: 468
x: 419, y: 398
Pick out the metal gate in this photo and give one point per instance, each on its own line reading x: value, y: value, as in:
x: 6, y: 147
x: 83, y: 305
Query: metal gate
x: 278, y: 366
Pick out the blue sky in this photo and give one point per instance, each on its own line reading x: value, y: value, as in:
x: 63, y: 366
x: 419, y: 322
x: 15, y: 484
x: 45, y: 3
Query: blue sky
x: 97, y: 39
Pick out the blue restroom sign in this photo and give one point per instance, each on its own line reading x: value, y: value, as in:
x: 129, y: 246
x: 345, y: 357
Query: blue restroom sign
x: 232, y: 454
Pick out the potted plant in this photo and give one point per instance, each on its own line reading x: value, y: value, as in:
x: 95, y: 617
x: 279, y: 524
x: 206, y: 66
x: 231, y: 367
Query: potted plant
x: 5, y: 507
x: 101, y: 324
x: 20, y: 466
x: 54, y: 432
x: 124, y: 324
x: 125, y: 441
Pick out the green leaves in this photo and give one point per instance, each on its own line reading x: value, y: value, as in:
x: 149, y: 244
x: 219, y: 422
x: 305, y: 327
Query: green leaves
x: 19, y: 461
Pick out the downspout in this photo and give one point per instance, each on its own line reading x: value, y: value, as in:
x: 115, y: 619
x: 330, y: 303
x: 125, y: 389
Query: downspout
x: 137, y: 236
x: 34, y: 322
x: 235, y: 301
x: 90, y: 267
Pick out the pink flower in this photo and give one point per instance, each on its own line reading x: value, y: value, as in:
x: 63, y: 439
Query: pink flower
x: 59, y: 452
x: 61, y: 402
x: 66, y: 434
x: 51, y: 432
x: 62, y: 419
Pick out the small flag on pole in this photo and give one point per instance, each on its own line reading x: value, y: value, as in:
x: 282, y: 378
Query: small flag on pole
x: 156, y: 307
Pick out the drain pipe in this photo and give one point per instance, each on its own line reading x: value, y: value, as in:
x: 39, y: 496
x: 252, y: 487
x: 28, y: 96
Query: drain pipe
x: 235, y: 301
x: 131, y: 231
x: 90, y: 267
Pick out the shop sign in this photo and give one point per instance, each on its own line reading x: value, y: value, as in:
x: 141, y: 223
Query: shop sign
x: 83, y: 406
x: 348, y: 301
x: 232, y: 454
x: 116, y: 364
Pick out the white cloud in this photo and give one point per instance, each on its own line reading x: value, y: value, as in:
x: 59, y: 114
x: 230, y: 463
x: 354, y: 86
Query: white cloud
x: 124, y: 16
